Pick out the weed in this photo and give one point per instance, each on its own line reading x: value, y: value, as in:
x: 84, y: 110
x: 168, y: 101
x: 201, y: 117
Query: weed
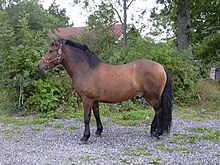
x: 181, y: 149
x: 131, y: 117
x: 162, y: 147
x: 72, y: 128
x: 39, y: 121
x: 15, y: 120
x: 137, y: 152
x: 213, y: 136
x: 37, y: 129
x: 57, y: 125
x: 9, y: 132
x: 199, y: 129
x: 209, y: 100
x: 124, y: 160
x: 156, y: 160
x: 86, y: 157
x: 207, y: 133
x: 182, y: 139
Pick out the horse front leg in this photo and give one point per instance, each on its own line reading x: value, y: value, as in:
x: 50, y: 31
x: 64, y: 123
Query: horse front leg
x: 95, y: 109
x: 87, y: 106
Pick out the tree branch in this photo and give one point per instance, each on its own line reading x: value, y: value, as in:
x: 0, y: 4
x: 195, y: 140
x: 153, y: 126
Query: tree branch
x: 116, y: 12
x: 130, y: 4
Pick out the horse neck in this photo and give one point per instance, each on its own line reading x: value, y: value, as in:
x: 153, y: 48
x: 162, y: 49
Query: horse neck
x: 74, y: 63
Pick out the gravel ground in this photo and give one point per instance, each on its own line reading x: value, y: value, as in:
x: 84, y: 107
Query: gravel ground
x: 47, y: 144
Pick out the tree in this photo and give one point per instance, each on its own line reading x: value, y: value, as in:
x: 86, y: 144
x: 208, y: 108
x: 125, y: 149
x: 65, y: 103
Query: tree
x: 58, y: 13
x: 98, y: 35
x: 183, y: 24
x: 200, y: 28
x: 24, y: 25
x: 38, y: 19
x: 120, y: 7
x: 189, y: 20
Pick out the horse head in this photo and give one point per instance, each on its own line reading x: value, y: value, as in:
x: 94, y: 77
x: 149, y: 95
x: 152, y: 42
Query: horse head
x: 53, y: 57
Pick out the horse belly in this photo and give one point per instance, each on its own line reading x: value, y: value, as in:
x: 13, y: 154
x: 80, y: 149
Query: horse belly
x: 119, y: 94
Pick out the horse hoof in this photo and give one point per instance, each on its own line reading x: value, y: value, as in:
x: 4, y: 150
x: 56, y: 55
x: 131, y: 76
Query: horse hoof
x: 83, y: 140
x: 98, y: 134
x: 156, y: 135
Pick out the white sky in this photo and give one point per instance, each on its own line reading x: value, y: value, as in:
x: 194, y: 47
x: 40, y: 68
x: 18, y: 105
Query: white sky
x: 78, y: 16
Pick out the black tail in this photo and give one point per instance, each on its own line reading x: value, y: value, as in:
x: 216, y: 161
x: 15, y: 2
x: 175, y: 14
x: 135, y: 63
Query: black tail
x: 167, y: 104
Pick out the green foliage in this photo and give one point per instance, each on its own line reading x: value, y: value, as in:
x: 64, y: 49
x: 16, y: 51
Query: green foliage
x: 23, y: 38
x: 8, y: 101
x: 208, y: 53
x: 203, y: 28
x: 209, y: 101
x: 38, y: 19
x: 128, y: 112
x: 60, y: 14
x: 204, y: 17
x: 104, y: 15
x: 98, y: 35
x: 46, y: 95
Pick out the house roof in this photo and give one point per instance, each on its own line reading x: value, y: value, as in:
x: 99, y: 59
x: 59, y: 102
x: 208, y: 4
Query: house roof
x: 117, y: 30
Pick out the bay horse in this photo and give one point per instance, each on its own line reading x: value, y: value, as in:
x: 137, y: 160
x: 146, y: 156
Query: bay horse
x: 96, y: 81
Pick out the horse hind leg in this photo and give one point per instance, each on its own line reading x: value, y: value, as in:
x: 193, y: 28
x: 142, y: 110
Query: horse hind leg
x: 95, y: 109
x: 153, y: 126
x: 156, y: 125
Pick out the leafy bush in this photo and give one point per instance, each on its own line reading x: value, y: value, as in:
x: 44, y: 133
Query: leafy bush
x: 208, y: 53
x: 48, y: 95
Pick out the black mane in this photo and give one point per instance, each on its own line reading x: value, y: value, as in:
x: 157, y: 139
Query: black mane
x: 91, y: 57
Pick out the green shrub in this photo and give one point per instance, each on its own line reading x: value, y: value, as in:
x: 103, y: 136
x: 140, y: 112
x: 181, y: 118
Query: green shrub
x: 208, y: 53
x: 46, y: 95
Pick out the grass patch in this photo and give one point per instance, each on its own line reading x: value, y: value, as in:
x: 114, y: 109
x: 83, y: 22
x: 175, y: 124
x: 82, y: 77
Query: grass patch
x: 162, y: 147
x: 72, y: 128
x: 87, y: 157
x: 181, y: 149
x: 57, y: 125
x: 137, y: 152
x: 9, y: 132
x: 156, y: 160
x: 130, y: 118
x: 17, y: 121
x: 128, y: 113
x: 207, y: 134
x: 36, y: 129
x: 124, y: 160
x: 199, y: 129
x: 182, y: 139
x: 208, y: 102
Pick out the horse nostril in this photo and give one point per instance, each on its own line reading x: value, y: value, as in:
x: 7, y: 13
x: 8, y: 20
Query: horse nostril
x: 38, y: 66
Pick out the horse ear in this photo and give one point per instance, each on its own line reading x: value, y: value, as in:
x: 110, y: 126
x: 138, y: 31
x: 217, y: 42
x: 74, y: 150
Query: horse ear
x: 54, y: 41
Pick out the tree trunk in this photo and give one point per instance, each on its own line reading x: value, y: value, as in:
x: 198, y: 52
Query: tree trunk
x: 183, y: 19
x: 124, y: 41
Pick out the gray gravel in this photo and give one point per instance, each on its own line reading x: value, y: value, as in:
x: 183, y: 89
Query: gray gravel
x: 45, y: 144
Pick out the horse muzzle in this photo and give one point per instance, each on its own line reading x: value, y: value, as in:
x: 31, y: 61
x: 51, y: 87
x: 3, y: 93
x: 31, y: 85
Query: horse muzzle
x: 42, y: 68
